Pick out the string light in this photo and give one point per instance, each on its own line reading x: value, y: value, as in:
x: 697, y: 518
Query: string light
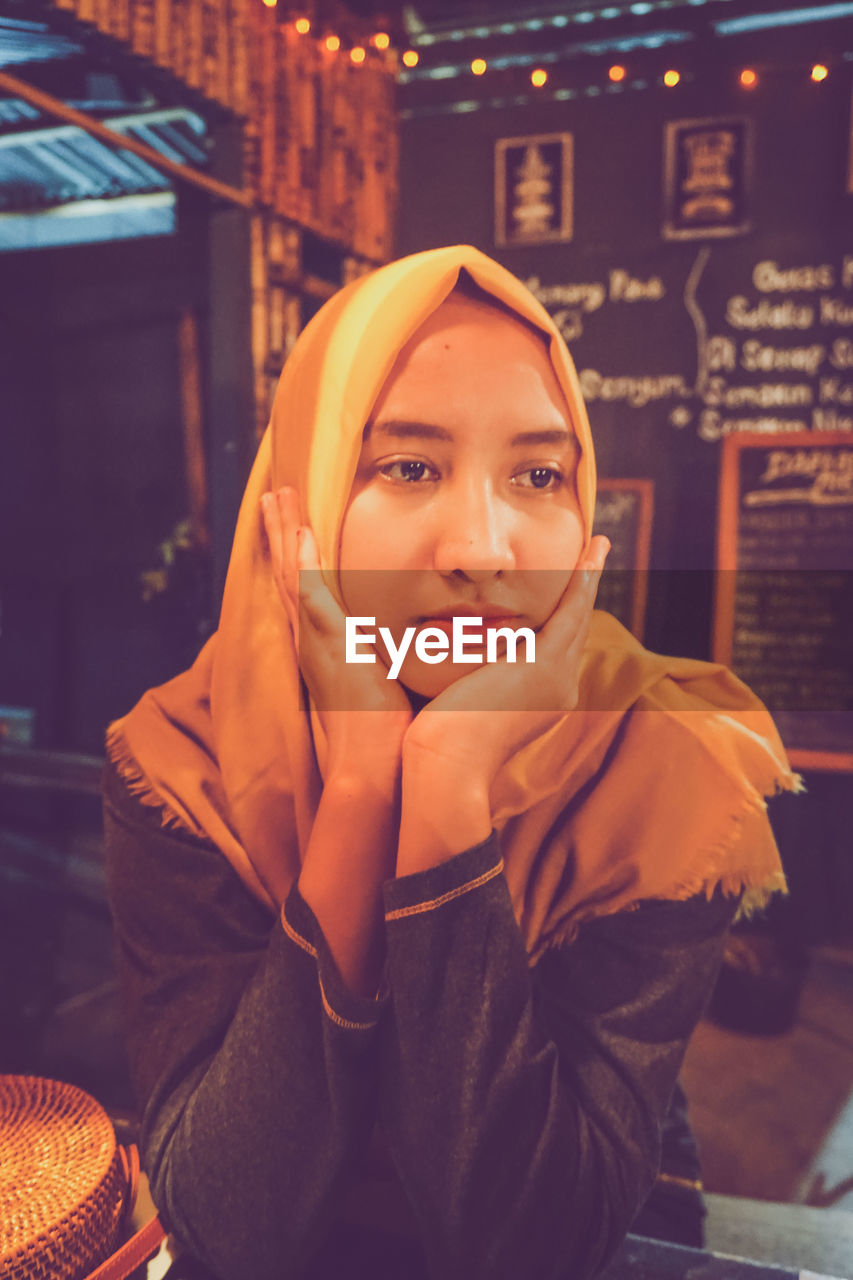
x: 410, y: 58
x: 748, y: 78
x: 478, y: 66
x: 357, y: 55
x: 333, y: 43
x: 616, y: 74
x: 671, y: 79
x: 819, y: 72
x: 538, y: 77
x: 303, y: 26
x: 381, y: 40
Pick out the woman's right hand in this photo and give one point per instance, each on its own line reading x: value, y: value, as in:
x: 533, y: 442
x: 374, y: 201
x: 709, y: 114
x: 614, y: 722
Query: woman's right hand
x: 364, y: 715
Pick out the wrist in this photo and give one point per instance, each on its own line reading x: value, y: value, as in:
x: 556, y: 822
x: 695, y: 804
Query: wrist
x: 363, y: 783
x: 365, y: 760
x: 444, y: 811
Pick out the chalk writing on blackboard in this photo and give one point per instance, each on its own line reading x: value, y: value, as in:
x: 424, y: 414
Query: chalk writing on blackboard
x: 623, y: 511
x: 784, y: 600
x: 773, y: 350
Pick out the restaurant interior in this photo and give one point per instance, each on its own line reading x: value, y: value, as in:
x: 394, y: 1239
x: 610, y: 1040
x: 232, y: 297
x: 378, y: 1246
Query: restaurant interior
x: 184, y: 183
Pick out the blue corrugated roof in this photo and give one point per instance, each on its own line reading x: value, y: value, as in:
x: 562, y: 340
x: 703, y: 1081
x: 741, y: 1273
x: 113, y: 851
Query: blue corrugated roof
x: 50, y: 166
x: 23, y: 41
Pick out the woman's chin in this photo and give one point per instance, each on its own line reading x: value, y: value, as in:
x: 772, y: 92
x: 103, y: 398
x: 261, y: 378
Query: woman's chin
x: 423, y: 683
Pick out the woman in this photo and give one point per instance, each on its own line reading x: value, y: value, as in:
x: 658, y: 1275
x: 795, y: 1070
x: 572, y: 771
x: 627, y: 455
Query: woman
x: 411, y: 964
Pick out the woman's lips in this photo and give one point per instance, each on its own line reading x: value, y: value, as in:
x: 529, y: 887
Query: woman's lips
x: 444, y: 622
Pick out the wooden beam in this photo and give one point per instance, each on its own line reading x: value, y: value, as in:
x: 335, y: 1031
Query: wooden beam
x: 183, y: 173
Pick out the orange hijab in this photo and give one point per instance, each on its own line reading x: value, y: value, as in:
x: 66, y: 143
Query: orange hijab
x: 659, y: 795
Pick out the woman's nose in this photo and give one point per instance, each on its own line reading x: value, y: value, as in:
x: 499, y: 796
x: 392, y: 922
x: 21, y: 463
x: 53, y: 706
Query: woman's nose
x: 474, y: 536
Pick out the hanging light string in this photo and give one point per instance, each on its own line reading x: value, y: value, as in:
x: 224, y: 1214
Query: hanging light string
x: 358, y: 52
x: 617, y: 76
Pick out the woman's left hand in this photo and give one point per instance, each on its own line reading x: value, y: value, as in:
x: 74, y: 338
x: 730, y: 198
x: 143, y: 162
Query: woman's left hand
x: 457, y: 744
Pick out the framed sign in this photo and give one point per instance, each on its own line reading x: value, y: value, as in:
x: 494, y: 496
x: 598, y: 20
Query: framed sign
x: 707, y: 178
x: 783, y: 607
x: 623, y: 511
x: 533, y: 189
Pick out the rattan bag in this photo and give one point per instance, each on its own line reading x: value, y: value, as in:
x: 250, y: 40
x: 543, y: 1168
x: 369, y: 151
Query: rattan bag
x: 65, y: 1183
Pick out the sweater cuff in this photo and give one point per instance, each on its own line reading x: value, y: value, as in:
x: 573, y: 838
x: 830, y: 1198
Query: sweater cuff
x: 343, y: 1007
x: 430, y: 889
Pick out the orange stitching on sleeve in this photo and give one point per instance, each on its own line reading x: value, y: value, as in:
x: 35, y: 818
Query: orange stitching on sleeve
x: 343, y: 1022
x: 306, y: 946
x: 296, y: 937
x: 420, y: 907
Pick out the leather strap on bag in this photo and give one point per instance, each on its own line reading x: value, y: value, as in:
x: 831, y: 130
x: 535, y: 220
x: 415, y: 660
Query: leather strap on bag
x: 139, y: 1248
x: 144, y: 1244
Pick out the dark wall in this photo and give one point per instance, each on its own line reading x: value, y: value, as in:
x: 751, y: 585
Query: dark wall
x: 92, y: 477
x: 632, y: 323
x: 635, y: 338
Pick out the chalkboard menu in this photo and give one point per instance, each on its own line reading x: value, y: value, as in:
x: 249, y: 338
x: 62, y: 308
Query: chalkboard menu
x: 783, y: 612
x: 623, y: 511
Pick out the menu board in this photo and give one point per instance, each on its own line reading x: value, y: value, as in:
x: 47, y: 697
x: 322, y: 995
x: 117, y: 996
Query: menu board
x: 623, y: 511
x: 709, y: 342
x: 783, y: 610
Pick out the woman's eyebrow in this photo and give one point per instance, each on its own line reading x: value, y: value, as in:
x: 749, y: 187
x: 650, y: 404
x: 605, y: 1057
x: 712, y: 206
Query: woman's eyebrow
x: 408, y: 430
x: 431, y: 431
x: 547, y: 435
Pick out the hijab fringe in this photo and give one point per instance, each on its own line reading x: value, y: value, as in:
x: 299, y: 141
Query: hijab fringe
x: 137, y: 782
x: 756, y: 887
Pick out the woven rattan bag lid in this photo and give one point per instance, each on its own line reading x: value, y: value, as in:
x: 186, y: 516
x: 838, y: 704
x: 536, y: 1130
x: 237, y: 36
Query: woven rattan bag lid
x: 63, y: 1182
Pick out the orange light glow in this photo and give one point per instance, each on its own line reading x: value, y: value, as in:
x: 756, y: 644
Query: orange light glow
x: 671, y: 79
x: 270, y: 3
x: 538, y: 77
x: 333, y: 43
x: 303, y: 26
x: 819, y: 72
x: 381, y: 40
x: 748, y: 78
x: 616, y: 74
x: 357, y: 54
x: 478, y: 66
x: 410, y: 58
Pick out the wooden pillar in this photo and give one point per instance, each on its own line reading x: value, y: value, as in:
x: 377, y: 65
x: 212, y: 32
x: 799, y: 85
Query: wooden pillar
x: 229, y: 375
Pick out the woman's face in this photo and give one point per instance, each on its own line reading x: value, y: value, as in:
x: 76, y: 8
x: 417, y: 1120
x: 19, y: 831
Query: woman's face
x: 464, y: 500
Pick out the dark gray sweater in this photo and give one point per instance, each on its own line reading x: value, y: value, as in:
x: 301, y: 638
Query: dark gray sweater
x: 478, y: 1121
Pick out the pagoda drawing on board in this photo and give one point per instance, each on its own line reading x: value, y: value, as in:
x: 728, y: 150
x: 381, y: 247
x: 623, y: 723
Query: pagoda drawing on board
x: 533, y: 189
x: 707, y: 178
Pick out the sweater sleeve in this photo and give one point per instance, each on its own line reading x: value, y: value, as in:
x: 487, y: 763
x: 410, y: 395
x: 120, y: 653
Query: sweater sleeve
x: 523, y: 1108
x: 250, y: 1058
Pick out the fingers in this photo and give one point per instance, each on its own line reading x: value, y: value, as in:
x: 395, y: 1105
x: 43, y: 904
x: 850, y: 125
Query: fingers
x: 568, y: 626
x: 596, y: 553
x: 281, y: 519
x: 296, y: 564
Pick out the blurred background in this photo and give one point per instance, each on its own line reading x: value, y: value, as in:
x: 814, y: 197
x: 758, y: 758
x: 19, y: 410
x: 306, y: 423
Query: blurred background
x: 184, y: 182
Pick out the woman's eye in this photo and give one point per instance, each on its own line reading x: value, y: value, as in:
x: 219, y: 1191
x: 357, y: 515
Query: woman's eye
x: 539, y: 478
x: 407, y: 471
